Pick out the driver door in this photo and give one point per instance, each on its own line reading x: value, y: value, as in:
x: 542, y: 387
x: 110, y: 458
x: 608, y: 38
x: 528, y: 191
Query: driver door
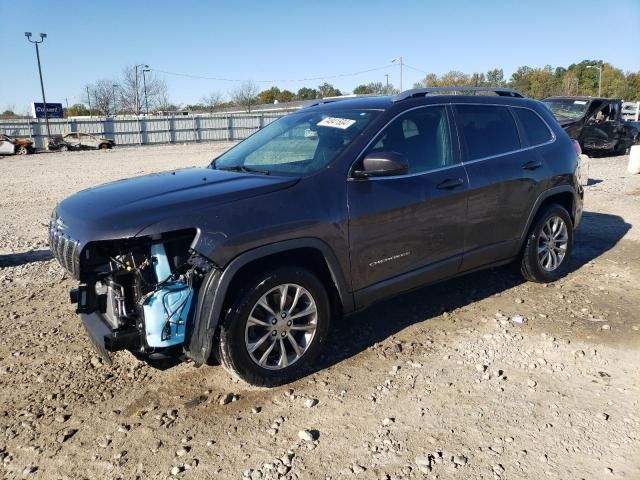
x: 408, y: 230
x: 600, y: 129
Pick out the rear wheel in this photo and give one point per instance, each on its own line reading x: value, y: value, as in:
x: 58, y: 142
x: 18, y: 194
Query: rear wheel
x: 275, y: 328
x: 64, y: 148
x: 22, y: 150
x: 548, y: 245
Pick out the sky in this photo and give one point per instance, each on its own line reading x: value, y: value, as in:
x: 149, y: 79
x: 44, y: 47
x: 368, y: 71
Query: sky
x: 280, y: 42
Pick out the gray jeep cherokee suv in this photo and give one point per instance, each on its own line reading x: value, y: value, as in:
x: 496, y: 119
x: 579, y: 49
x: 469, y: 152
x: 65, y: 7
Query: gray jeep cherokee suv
x: 318, y: 215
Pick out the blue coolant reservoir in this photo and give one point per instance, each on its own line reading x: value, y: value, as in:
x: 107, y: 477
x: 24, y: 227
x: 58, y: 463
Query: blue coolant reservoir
x: 167, y: 310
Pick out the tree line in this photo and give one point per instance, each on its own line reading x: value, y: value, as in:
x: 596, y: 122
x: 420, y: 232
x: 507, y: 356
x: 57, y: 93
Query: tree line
x: 138, y: 92
x: 574, y: 80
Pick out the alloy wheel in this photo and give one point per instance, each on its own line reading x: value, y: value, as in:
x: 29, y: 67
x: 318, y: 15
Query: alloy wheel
x: 553, y: 242
x: 281, y: 326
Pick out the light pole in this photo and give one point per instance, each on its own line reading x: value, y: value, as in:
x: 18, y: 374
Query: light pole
x: 144, y: 83
x: 115, y: 110
x: 399, y: 60
x: 599, y: 68
x: 387, y: 90
x: 137, y: 95
x: 44, y: 100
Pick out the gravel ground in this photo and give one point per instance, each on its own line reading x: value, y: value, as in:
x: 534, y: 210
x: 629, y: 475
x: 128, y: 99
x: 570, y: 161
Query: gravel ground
x: 439, y: 383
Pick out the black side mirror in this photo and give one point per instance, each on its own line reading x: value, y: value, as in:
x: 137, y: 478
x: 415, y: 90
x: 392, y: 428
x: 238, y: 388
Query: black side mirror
x: 382, y: 164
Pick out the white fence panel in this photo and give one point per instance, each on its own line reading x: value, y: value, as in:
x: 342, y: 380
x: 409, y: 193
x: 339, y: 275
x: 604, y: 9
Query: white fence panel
x: 146, y: 130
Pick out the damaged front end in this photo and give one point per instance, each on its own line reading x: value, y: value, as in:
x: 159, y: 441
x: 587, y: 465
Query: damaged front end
x: 135, y: 294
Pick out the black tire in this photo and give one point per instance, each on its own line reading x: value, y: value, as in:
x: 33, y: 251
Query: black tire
x: 103, y: 146
x: 532, y: 267
x: 22, y: 150
x: 232, y: 348
x: 64, y: 148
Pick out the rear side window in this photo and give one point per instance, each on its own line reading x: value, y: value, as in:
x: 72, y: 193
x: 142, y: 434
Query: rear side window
x: 534, y: 128
x: 487, y: 130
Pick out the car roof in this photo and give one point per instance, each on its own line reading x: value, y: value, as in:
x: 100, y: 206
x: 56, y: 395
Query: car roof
x: 387, y: 102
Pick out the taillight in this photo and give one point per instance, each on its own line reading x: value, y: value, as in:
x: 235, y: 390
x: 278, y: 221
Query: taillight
x: 576, y: 147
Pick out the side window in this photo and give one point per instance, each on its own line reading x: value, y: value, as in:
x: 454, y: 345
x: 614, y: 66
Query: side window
x: 535, y: 129
x: 487, y: 130
x: 422, y: 135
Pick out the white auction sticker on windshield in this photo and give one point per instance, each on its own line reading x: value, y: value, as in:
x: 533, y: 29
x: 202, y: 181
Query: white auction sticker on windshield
x: 579, y: 102
x: 335, y: 122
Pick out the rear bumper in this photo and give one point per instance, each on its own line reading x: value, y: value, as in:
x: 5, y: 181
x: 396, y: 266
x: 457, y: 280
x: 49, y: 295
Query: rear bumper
x: 105, y: 339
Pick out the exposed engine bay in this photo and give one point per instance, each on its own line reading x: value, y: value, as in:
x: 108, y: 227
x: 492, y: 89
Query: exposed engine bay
x: 143, y: 289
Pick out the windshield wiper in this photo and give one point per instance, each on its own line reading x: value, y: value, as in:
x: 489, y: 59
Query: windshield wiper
x: 242, y: 168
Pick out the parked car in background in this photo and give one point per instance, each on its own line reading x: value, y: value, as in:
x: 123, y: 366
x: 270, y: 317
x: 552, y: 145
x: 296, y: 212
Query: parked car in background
x: 392, y: 193
x: 596, y: 123
x: 15, y: 146
x: 81, y: 141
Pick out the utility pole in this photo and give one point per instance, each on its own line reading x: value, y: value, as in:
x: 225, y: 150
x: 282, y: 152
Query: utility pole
x: 44, y: 100
x: 387, y: 90
x: 399, y: 60
x: 115, y: 110
x: 144, y: 82
x: 136, y: 82
x: 89, y: 100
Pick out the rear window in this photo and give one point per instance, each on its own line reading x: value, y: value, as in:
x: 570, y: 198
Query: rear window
x: 487, y: 130
x: 535, y: 129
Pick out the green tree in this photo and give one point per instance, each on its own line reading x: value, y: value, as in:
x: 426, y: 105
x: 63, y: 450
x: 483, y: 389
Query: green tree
x: 269, y: 96
x: 76, y: 110
x: 306, y: 93
x: 327, y: 90
x: 495, y: 78
x: 286, y: 96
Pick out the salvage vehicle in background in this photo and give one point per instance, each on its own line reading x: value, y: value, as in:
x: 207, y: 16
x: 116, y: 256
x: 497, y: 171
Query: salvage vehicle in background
x: 15, y: 146
x: 81, y: 141
x: 596, y: 123
x: 250, y: 258
x: 57, y: 143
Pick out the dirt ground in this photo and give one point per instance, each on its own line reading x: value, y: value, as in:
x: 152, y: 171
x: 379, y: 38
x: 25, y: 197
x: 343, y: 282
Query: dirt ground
x: 439, y: 383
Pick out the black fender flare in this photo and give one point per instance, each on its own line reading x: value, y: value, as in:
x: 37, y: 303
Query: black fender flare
x: 214, y: 288
x: 541, y: 198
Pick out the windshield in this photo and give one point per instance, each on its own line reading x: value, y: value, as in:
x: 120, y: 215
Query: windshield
x: 299, y: 143
x: 567, y: 107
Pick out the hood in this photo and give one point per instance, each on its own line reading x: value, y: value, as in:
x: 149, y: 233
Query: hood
x: 123, y: 208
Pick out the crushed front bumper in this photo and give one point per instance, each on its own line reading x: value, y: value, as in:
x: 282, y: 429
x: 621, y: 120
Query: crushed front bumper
x: 105, y: 339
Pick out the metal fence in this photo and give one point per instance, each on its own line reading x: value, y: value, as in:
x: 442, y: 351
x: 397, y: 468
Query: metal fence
x: 146, y: 130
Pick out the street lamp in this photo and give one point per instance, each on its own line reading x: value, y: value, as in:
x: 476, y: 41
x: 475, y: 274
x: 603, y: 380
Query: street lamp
x: 399, y: 60
x: 144, y: 83
x: 599, y: 68
x: 137, y: 96
x: 44, y: 100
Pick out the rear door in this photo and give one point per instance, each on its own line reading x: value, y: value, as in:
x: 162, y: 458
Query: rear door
x: 504, y: 177
x: 406, y: 230
x: 88, y: 141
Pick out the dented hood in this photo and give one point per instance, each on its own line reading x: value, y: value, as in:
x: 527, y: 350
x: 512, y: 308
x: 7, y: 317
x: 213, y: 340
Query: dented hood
x: 123, y: 208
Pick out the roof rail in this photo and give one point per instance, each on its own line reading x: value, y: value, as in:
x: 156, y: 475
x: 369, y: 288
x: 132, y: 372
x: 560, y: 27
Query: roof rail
x: 421, y: 92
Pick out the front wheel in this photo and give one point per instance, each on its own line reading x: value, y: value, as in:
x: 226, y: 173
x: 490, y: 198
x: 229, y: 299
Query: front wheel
x: 64, y: 148
x: 22, y: 150
x: 548, y: 245
x: 275, y: 328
